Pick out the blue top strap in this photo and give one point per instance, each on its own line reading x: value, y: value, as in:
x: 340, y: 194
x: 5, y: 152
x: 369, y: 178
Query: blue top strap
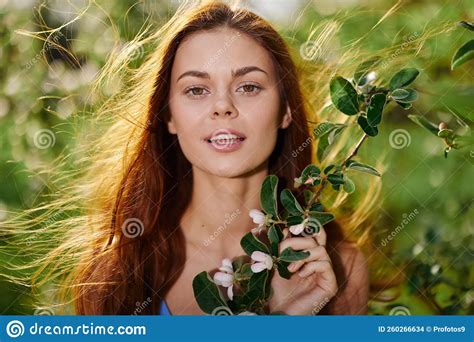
x: 164, y: 310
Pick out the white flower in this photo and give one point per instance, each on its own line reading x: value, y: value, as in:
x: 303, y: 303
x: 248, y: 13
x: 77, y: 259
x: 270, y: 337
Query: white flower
x: 263, y: 261
x: 298, y: 228
x: 259, y: 218
x: 225, y: 278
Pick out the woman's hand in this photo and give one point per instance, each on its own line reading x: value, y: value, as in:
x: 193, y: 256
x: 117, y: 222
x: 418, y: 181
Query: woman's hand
x: 308, y: 291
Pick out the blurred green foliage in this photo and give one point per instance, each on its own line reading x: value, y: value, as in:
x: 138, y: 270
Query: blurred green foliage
x: 43, y: 89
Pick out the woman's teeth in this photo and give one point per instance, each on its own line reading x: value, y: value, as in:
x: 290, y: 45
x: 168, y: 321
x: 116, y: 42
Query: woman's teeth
x: 225, y: 138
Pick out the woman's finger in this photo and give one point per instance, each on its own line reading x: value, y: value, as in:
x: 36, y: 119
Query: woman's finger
x: 316, y: 253
x: 319, y: 266
x: 320, y: 237
x: 297, y: 243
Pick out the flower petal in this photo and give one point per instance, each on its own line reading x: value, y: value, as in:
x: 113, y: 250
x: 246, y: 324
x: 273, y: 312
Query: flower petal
x: 227, y: 263
x: 257, y: 267
x: 226, y: 269
x: 297, y: 228
x: 268, y: 263
x: 258, y: 256
x: 230, y: 292
x: 224, y: 279
x: 257, y: 216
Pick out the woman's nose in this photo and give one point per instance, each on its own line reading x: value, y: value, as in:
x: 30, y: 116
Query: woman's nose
x: 224, y: 108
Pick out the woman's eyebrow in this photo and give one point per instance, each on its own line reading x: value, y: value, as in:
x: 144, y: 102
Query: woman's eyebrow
x: 237, y: 73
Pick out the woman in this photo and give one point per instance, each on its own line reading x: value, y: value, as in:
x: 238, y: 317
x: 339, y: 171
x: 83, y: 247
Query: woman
x: 244, y: 97
x: 215, y: 109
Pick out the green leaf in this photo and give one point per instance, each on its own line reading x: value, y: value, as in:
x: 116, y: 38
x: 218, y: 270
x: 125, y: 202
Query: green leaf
x: 282, y: 267
x: 328, y: 168
x: 360, y: 75
x: 323, y: 128
x: 257, y: 288
x: 268, y: 195
x: 399, y: 94
x: 207, y: 293
x: 404, y: 95
x: 310, y: 170
x: 348, y: 186
x: 364, y: 124
x: 421, y: 121
x: 344, y: 96
x: 326, y: 141
x: 322, y: 216
x: 404, y: 105
x: 467, y: 25
x: 316, y: 207
x: 294, y: 220
x: 403, y: 78
x: 336, y: 178
x: 464, y: 54
x: 354, y: 165
x: 290, y: 203
x: 375, y: 109
x: 251, y: 244
x: 445, y: 133
x: 290, y: 255
x: 274, y: 236
x: 307, y: 195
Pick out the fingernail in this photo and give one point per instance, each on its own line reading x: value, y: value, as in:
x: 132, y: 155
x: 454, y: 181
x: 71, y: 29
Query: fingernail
x: 292, y: 267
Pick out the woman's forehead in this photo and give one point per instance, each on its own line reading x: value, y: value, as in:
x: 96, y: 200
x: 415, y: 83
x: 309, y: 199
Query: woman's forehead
x: 220, y: 50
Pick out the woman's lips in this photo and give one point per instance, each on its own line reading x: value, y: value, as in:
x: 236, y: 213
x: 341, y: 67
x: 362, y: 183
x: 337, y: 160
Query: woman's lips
x: 226, y: 145
x: 225, y: 131
x: 225, y: 140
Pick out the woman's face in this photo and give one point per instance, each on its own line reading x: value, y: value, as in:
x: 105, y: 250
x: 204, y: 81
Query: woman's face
x: 224, y: 102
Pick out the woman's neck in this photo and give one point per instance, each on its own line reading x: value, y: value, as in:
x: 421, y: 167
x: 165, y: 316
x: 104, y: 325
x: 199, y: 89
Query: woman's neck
x: 217, y: 215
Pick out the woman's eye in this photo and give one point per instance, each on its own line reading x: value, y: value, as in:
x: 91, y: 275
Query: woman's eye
x: 250, y: 88
x: 195, y: 91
